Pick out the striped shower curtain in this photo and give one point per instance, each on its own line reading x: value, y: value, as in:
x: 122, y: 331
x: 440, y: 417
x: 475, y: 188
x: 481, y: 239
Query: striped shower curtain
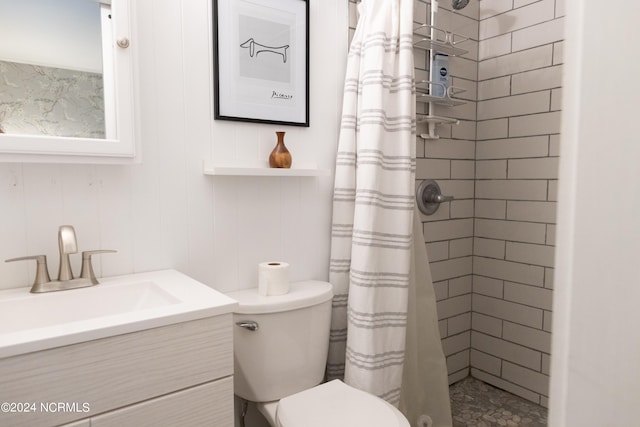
x: 373, y: 202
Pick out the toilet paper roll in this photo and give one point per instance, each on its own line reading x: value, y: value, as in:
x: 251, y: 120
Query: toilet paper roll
x: 273, y: 278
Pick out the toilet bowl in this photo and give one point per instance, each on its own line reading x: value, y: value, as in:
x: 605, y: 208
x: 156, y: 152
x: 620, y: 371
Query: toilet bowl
x: 280, y: 353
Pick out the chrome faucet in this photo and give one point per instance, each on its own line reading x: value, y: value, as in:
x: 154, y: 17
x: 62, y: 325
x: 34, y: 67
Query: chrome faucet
x: 67, y: 244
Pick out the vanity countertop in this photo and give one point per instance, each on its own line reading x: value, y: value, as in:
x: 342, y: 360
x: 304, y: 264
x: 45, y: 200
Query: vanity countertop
x: 118, y: 305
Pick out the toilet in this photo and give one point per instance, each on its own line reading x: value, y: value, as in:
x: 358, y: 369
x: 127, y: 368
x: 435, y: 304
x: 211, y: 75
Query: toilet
x: 280, y: 353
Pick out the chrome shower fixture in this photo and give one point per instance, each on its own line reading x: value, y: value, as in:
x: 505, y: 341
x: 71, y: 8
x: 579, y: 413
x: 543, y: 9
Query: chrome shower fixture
x: 459, y: 4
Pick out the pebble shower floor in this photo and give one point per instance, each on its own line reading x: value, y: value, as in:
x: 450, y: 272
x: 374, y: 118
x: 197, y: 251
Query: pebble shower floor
x: 476, y: 404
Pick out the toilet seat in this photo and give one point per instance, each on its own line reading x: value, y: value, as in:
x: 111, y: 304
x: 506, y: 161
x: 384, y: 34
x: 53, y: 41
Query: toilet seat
x: 337, y: 404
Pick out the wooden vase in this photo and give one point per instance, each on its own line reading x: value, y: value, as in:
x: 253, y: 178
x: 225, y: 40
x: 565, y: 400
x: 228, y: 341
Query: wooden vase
x: 280, y: 156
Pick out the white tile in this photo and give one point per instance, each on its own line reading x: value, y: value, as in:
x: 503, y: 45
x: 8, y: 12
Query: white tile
x: 495, y: 46
x: 556, y: 99
x: 451, y: 268
x: 538, y: 35
x: 527, y: 378
x: 512, y: 271
x: 491, y: 169
x: 536, y: 146
x: 532, y: 212
x: 461, y: 208
x: 553, y: 191
x: 460, y: 286
x: 494, y: 88
x: 447, y: 230
x: 548, y: 317
x: 489, y: 8
x: 493, y: 129
x: 543, y: 168
x: 463, y: 67
x: 456, y: 343
x: 551, y: 235
x: 530, y: 254
x: 461, y: 247
x: 438, y: 251
x: 419, y: 12
x: 462, y: 169
x: 529, y: 295
x: 487, y: 286
x: 449, y: 149
x: 457, y: 23
x: 546, y: 364
x: 458, y: 361
x: 433, y: 169
x: 486, y: 324
x: 554, y: 145
x: 529, y: 337
x: 558, y: 53
x: 485, y: 362
x: 493, y: 209
x: 460, y: 189
x: 520, y: 3
x: 549, y: 277
x: 441, y: 291
x: 516, y: 105
x: 458, y: 324
x: 506, y: 350
x: 512, y: 189
x: 560, y: 8
x: 455, y: 306
x: 534, y: 80
x: 442, y: 328
x: 535, y: 124
x: 466, y: 129
x: 510, y: 230
x: 13, y: 226
x: 506, y: 385
x: 506, y: 310
x: 458, y: 376
x: 516, y: 62
x: 517, y: 18
x: 489, y: 248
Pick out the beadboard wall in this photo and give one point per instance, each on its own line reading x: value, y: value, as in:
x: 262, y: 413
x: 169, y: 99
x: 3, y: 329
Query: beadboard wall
x: 165, y: 213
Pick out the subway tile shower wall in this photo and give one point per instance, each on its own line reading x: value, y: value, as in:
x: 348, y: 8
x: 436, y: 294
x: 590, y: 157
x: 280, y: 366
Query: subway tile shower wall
x: 491, y: 250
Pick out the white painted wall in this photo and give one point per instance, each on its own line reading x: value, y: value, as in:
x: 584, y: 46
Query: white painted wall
x: 164, y: 213
x: 595, y: 377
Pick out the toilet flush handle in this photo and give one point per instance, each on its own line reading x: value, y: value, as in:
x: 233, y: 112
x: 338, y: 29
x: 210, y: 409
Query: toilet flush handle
x: 248, y: 324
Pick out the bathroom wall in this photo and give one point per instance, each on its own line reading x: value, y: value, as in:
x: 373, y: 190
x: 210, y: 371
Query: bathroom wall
x: 165, y: 213
x: 519, y: 93
x: 450, y: 160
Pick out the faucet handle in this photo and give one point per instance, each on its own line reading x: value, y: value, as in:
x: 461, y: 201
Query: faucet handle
x: 87, y: 266
x: 42, y: 274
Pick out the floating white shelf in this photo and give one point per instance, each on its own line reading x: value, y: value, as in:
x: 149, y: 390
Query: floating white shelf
x: 264, y: 171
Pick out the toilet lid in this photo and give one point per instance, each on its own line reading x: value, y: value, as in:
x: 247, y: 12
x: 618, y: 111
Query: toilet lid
x: 336, y: 404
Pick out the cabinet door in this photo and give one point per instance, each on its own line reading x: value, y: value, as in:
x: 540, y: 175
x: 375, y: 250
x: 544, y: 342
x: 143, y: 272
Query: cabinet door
x: 206, y: 405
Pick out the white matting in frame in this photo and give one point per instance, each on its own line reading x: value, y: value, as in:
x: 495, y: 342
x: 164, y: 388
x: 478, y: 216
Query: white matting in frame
x: 262, y: 61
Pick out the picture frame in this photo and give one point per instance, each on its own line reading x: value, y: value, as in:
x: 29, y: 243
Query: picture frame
x: 261, y: 61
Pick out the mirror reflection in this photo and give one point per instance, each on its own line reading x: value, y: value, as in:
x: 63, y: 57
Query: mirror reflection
x: 51, y: 68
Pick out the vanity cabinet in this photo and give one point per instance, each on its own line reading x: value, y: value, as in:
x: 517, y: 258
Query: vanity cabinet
x: 180, y: 374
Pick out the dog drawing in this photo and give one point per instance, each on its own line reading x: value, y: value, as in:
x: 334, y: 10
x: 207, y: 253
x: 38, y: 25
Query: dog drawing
x: 257, y: 48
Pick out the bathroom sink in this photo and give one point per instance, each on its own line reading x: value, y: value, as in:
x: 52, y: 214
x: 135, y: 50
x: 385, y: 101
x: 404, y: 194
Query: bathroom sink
x: 32, y: 322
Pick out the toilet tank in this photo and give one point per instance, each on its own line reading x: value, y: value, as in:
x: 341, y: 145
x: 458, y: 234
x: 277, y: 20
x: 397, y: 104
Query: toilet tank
x: 287, y: 353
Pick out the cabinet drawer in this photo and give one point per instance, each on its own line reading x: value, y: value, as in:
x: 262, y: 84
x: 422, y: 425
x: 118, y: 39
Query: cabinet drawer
x: 206, y: 405
x: 114, y: 372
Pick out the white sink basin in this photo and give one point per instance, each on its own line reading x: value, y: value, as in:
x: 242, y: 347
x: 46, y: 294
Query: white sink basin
x: 32, y: 322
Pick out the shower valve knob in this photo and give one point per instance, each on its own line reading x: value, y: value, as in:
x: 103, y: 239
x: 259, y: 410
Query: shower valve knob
x: 429, y: 197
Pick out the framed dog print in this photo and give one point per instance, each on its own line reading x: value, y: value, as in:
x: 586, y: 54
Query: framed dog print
x: 261, y: 55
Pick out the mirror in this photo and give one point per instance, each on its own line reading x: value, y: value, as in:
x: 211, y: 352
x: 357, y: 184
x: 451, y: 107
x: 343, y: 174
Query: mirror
x: 66, y: 81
